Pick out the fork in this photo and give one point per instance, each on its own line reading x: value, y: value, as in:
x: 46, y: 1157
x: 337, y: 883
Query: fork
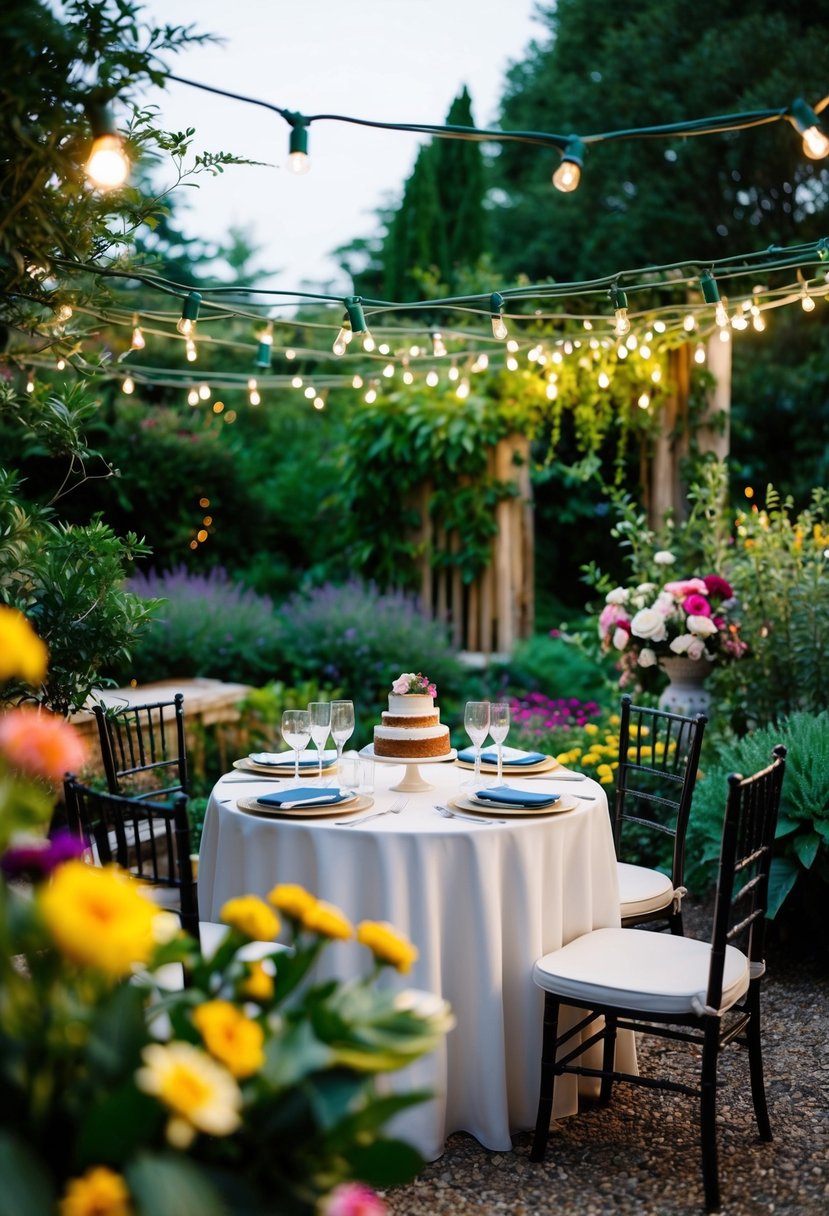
x: 450, y: 814
x: 396, y: 807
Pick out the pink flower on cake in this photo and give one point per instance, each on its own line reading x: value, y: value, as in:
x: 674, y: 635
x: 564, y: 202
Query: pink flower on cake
x: 413, y: 683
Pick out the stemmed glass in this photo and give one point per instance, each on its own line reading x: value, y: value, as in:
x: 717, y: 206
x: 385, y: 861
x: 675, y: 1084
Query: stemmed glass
x: 296, y: 731
x: 342, y: 725
x: 320, y: 713
x: 476, y: 724
x: 498, y: 729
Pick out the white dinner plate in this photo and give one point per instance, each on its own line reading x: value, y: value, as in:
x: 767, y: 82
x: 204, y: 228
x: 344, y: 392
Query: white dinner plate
x: 497, y: 809
x: 360, y: 802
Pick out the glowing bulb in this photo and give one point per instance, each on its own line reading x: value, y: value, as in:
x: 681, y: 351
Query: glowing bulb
x: 186, y: 323
x: 604, y: 380
x: 645, y: 352
x: 298, y: 161
x: 568, y: 174
x: 462, y: 390
x: 193, y: 397
x: 357, y: 382
x: 204, y: 392
x: 108, y: 165
x: 619, y: 301
x: 30, y: 383
x: 721, y: 314
x: 496, y: 308
x: 512, y: 363
x: 319, y: 403
x: 370, y: 397
x: 656, y: 375
x: 264, y: 351
x: 725, y: 336
x: 368, y: 343
x: 408, y: 377
x: 512, y: 346
x: 388, y: 370
x: 254, y: 397
x: 621, y: 351
x: 806, y: 302
x: 137, y: 341
x: 290, y: 354
x: 342, y: 340
x: 630, y: 342
x: 61, y: 364
x: 699, y: 353
x: 432, y: 379
x: 659, y: 326
x: 644, y: 401
x: 551, y: 391
x: 758, y: 321
x: 453, y: 372
x: 129, y: 385
x: 438, y: 345
x: 690, y: 323
x: 190, y: 350
x: 297, y: 382
x: 310, y: 392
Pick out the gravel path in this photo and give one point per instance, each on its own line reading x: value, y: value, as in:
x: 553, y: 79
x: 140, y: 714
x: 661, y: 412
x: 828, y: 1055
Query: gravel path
x: 640, y: 1155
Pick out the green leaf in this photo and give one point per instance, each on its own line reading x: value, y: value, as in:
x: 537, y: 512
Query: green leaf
x: 782, y: 877
x: 294, y: 1055
x: 385, y: 1163
x: 806, y: 847
x: 114, y: 1127
x: 25, y: 1189
x: 174, y: 1186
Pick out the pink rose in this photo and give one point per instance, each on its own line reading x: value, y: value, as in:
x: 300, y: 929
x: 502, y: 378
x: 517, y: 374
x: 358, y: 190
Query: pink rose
x: 696, y: 605
x: 687, y: 586
x: 611, y: 616
x: 353, y: 1199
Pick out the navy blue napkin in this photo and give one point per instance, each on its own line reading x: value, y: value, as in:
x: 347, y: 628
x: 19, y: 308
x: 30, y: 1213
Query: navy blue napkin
x: 304, y: 795
x: 490, y: 757
x: 505, y: 795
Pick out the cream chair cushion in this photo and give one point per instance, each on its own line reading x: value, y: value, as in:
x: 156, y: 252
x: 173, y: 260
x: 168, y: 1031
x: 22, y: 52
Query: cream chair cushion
x: 642, y: 890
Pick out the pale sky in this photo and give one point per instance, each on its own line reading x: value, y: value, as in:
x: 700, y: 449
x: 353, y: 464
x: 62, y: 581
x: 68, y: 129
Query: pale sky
x: 386, y: 60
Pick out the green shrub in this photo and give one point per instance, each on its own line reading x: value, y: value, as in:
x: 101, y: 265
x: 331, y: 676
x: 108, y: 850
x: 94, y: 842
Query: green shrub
x: 559, y: 665
x: 802, y: 841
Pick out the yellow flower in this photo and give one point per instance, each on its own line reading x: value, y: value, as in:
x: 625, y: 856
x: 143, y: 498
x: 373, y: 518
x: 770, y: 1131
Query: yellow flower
x: 292, y: 900
x: 328, y: 921
x: 252, y: 917
x: 98, y: 917
x: 259, y: 983
x: 614, y: 720
x: 100, y: 1192
x: 201, y: 1094
x: 231, y: 1038
x: 590, y: 728
x: 605, y: 774
x: 387, y: 945
x: 23, y: 654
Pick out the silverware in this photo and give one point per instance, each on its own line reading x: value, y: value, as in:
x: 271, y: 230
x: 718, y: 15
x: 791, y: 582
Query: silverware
x: 247, y: 780
x: 396, y: 807
x: 448, y: 813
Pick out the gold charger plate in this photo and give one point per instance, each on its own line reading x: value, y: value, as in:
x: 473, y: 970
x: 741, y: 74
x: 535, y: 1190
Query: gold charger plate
x: 247, y: 765
x: 360, y: 803
x: 495, y: 810
x: 542, y: 766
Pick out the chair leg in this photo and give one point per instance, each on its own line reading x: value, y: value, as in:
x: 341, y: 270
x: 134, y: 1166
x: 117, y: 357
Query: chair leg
x: 675, y: 921
x: 548, y: 1078
x: 755, y: 1063
x: 708, y: 1109
x: 608, y: 1059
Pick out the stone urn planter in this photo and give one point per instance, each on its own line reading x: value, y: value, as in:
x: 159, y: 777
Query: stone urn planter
x: 686, y: 692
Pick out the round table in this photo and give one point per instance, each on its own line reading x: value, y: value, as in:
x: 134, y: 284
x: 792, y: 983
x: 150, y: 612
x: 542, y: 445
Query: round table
x: 481, y: 903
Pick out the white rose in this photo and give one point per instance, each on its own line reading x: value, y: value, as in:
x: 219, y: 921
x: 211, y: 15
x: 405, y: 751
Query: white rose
x: 646, y: 588
x: 665, y: 603
x: 621, y: 637
x: 702, y: 626
x: 664, y: 558
x: 618, y: 595
x: 649, y: 624
x: 680, y: 645
x: 696, y: 648
x: 647, y: 658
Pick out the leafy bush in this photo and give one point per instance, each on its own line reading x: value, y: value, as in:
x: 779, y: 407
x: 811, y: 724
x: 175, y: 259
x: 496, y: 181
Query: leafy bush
x: 206, y: 626
x: 360, y: 639
x: 558, y: 665
x: 802, y: 842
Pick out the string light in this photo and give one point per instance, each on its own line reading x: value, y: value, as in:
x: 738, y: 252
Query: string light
x: 568, y: 174
x: 129, y: 385
x: 357, y: 320
x: 807, y: 303
x: 298, y: 160
x: 438, y: 345
x: 462, y: 391
x: 253, y: 392
x: 204, y: 392
x: 806, y: 121
x: 496, y: 308
x: 137, y: 341
x: 186, y: 323
x: 190, y: 350
x: 343, y: 337
x: 264, y: 351
x: 30, y: 383
x: 619, y: 301
x: 711, y: 295
x: 108, y: 165
x: 432, y: 378
x: 193, y: 397
x: 699, y: 353
x: 61, y: 364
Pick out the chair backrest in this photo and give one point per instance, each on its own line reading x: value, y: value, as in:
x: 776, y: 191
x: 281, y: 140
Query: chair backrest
x: 658, y: 762
x: 751, y: 812
x: 143, y: 748
x: 150, y: 839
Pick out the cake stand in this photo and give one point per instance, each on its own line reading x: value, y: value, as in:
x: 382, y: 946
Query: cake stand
x: 412, y: 782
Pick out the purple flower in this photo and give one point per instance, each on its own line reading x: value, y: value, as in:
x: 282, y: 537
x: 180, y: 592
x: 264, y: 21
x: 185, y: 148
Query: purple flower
x: 38, y: 858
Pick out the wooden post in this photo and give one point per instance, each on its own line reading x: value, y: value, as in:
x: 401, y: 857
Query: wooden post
x: 667, y: 493
x: 715, y: 430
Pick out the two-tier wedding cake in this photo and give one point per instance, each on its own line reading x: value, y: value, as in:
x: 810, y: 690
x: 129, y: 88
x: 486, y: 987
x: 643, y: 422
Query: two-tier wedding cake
x: 411, y: 726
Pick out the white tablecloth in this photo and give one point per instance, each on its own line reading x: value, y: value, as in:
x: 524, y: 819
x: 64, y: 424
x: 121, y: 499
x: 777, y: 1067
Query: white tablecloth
x: 481, y: 904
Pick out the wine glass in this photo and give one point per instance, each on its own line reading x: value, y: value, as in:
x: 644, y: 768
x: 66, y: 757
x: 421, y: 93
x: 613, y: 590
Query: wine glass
x: 342, y: 725
x: 320, y: 715
x: 498, y: 729
x: 476, y: 724
x: 296, y: 731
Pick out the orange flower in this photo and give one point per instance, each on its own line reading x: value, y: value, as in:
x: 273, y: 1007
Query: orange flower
x: 40, y: 744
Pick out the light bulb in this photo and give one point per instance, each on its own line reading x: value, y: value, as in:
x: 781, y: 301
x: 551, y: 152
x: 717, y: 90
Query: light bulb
x: 806, y: 302
x: 186, y: 323
x: 298, y: 162
x: 264, y: 350
x: 496, y: 308
x: 368, y: 342
x: 453, y: 372
x: 721, y: 314
x: 61, y: 364
x: 310, y: 392
x: 190, y: 350
x: 193, y: 397
x: 644, y: 401
x: 567, y: 177
x: 815, y: 143
x: 408, y: 377
x: 137, y: 341
x: 388, y: 370
x: 370, y: 397
x: 551, y: 391
x: 297, y: 382
x: 568, y: 174
x: 438, y: 345
x: 30, y: 383
x: 108, y: 165
x: 432, y: 379
x: 357, y: 382
x: 129, y: 385
x: 690, y: 323
x: 319, y: 403
x: 342, y: 340
x: 619, y: 301
x: 462, y: 390
x: 253, y: 397
x: 699, y: 353
x: 204, y: 392
x: 604, y: 380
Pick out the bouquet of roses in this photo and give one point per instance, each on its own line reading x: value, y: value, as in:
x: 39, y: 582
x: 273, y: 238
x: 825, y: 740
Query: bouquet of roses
x: 694, y: 617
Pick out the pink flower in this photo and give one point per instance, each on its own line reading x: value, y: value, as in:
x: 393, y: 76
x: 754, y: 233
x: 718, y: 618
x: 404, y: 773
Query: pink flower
x: 696, y: 605
x: 687, y: 586
x: 353, y: 1199
x: 718, y: 587
x: 611, y: 616
x: 40, y: 744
